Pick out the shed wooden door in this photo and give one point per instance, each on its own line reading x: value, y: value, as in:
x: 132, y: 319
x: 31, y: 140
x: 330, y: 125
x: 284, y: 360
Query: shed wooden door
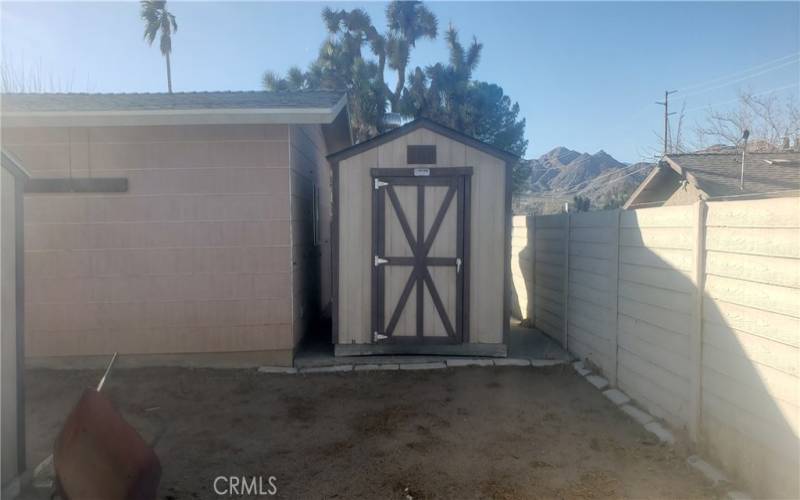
x: 419, y: 261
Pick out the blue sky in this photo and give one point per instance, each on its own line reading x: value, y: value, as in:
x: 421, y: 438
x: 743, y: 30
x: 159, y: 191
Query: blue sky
x: 586, y: 75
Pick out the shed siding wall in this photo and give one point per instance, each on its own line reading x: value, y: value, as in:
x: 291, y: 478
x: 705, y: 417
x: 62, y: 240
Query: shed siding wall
x: 195, y: 258
x: 487, y: 244
x: 707, y: 333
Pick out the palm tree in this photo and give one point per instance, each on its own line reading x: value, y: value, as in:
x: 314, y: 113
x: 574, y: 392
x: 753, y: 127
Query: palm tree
x: 157, y: 19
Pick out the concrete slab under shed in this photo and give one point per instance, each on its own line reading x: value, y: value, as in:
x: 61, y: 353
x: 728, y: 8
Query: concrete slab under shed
x: 523, y: 344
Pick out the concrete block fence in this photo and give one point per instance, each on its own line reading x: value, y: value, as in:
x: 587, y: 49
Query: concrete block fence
x: 693, y: 311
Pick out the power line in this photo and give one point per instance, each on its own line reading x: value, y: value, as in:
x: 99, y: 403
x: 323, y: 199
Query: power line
x: 557, y: 194
x: 588, y: 181
x: 741, y: 72
x: 703, y: 91
x: 586, y: 160
x: 775, y: 89
x: 620, y: 178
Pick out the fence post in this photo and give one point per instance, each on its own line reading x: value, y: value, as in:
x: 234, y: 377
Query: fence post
x: 567, y: 230
x: 614, y: 276
x: 696, y: 339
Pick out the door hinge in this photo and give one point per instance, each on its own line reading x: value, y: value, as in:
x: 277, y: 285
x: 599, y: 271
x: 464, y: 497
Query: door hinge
x: 378, y: 261
x: 377, y: 337
x: 379, y: 183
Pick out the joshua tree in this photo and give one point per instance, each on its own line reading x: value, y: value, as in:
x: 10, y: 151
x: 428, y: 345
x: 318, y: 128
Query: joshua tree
x: 408, y: 22
x: 157, y: 19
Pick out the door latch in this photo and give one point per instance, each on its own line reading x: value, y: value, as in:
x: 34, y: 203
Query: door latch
x: 379, y: 183
x: 377, y: 337
x: 379, y: 261
x: 458, y: 265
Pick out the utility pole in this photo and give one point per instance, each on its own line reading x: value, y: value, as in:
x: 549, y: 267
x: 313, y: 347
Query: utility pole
x: 665, y: 103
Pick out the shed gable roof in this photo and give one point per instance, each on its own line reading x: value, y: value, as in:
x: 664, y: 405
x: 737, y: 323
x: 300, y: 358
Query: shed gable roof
x: 417, y: 124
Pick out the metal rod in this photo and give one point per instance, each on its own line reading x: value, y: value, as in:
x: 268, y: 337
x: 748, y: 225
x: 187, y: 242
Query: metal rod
x: 108, y: 371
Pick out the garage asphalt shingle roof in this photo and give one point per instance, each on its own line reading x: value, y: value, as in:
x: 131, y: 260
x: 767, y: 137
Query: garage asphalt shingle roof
x: 718, y: 174
x: 180, y: 101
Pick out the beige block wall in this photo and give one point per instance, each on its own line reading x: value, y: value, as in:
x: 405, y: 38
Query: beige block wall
x: 592, y: 287
x: 522, y: 266
x: 487, y: 244
x: 195, y: 258
x: 751, y: 342
x: 707, y: 333
x: 656, y: 297
x: 550, y: 236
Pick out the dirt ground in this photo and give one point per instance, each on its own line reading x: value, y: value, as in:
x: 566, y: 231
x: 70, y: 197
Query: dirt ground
x: 500, y: 433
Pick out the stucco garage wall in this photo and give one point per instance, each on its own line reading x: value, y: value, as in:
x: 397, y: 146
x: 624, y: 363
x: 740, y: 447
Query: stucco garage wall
x: 195, y: 258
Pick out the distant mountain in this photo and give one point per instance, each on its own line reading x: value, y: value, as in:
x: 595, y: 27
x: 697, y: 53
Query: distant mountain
x: 561, y: 174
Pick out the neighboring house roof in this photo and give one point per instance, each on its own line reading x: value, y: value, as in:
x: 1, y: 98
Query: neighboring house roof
x: 717, y: 175
x: 162, y: 108
x: 430, y: 125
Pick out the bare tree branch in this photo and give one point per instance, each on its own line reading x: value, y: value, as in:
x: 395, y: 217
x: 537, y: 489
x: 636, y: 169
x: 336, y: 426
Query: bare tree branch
x: 769, y: 118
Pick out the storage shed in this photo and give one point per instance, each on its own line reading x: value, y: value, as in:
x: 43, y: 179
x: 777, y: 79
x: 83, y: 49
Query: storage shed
x: 421, y: 244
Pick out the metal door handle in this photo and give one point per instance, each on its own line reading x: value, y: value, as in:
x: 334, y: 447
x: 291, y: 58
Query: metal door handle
x: 458, y: 265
